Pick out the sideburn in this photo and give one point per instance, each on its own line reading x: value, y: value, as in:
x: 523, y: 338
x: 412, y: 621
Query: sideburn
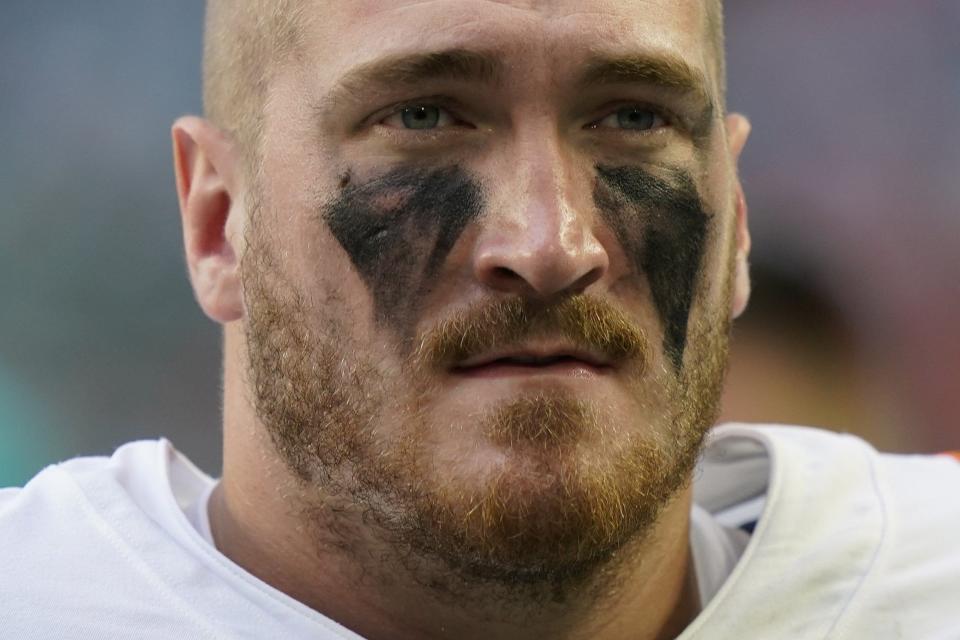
x: 398, y: 230
x: 662, y: 226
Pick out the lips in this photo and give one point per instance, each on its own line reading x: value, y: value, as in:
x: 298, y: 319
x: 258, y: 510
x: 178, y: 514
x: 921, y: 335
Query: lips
x: 532, y: 362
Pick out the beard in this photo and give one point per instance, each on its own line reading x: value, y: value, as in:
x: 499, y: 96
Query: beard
x: 574, y: 483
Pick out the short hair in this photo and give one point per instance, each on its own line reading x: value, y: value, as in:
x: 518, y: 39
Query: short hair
x: 245, y: 40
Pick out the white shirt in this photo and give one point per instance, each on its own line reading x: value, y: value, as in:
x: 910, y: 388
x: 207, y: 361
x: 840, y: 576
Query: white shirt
x: 849, y: 544
x: 715, y: 548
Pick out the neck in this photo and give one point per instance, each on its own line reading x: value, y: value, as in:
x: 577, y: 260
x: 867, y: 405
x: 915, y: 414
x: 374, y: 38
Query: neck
x: 337, y: 564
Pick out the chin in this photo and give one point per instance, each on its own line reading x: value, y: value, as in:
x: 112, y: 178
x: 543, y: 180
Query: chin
x: 544, y: 488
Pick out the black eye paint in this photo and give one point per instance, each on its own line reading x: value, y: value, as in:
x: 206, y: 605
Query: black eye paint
x: 399, y: 228
x: 662, y: 226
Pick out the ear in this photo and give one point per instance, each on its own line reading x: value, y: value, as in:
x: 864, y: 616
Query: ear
x: 206, y: 164
x: 738, y: 130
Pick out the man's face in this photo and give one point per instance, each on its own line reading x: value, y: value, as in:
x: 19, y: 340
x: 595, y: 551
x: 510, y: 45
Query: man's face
x: 488, y: 273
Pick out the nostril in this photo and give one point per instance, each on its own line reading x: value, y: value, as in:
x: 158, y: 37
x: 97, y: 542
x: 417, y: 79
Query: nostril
x: 539, y: 264
x: 586, y: 280
x: 504, y: 273
x: 506, y: 279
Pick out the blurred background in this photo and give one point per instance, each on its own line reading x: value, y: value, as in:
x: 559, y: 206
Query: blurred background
x: 852, y: 175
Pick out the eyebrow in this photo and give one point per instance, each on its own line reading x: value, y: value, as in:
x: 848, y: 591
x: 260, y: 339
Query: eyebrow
x: 472, y: 66
x: 410, y: 69
x: 669, y: 72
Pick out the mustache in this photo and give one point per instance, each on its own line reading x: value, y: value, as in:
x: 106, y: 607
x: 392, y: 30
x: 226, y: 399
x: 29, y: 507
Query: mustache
x: 586, y: 322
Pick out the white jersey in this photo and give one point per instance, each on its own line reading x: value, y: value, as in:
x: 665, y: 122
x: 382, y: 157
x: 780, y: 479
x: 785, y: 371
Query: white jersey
x: 846, y: 543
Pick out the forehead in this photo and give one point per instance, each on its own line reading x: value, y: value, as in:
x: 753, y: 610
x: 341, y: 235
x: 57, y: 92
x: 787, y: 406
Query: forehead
x: 340, y: 34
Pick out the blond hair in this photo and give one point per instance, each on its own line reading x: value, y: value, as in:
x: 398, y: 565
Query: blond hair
x: 244, y: 40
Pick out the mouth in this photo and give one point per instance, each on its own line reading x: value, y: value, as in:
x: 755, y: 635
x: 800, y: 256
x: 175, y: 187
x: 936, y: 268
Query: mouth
x: 531, y: 363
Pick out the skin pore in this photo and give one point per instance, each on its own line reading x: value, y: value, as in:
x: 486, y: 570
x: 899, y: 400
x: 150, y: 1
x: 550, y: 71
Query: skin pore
x: 469, y: 366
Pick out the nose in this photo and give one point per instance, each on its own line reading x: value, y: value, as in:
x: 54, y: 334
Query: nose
x: 538, y: 240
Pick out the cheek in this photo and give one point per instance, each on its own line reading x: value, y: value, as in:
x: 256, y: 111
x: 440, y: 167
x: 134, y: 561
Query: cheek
x: 398, y: 230
x: 663, y: 228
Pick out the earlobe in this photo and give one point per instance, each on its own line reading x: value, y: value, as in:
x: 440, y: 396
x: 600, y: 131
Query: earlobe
x: 205, y: 165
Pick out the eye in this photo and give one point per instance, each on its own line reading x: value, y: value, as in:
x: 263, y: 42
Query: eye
x: 632, y: 118
x: 419, y: 117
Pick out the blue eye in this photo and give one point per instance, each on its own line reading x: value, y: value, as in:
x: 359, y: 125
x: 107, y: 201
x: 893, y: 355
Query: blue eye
x: 633, y: 118
x: 419, y: 117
